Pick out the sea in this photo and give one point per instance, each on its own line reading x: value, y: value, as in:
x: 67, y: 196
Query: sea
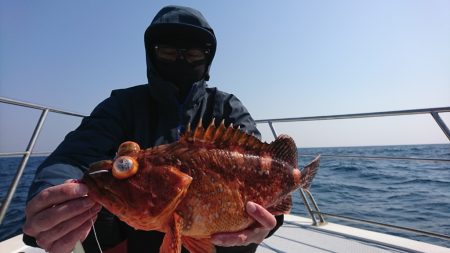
x: 410, y: 193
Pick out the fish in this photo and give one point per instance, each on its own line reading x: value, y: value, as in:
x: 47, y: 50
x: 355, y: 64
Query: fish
x: 199, y: 185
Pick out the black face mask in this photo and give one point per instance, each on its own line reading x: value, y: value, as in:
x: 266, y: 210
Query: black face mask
x: 181, y: 73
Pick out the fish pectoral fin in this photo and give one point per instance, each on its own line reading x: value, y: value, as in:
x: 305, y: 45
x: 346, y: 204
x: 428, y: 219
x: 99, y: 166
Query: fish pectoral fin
x: 172, y: 240
x: 284, y: 207
x: 194, y: 245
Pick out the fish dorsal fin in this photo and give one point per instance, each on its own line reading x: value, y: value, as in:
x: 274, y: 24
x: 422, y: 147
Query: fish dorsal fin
x: 224, y: 137
x: 284, y: 149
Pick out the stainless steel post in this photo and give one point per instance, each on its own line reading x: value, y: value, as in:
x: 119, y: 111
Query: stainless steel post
x: 23, y: 163
x: 308, y: 207
x: 273, y: 130
x: 316, y: 207
x: 441, y: 124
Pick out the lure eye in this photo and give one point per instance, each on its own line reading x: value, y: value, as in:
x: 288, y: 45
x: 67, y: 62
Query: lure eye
x: 124, y: 167
x: 128, y: 148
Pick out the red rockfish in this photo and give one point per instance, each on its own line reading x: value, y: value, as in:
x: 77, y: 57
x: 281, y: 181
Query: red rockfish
x: 199, y: 185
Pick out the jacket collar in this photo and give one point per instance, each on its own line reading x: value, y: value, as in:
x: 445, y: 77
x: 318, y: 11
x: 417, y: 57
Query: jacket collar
x: 165, y: 92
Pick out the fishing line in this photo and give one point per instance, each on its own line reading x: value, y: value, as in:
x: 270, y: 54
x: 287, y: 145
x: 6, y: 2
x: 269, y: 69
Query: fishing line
x: 95, y: 233
x: 79, y: 247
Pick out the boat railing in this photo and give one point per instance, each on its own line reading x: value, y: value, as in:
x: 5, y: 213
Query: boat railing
x: 310, y: 204
x: 45, y: 110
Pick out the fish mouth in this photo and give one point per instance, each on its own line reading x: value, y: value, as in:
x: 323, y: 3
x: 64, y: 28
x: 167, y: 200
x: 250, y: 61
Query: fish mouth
x: 94, y: 180
x: 118, y: 205
x: 98, y: 167
x: 96, y: 172
x: 102, y: 195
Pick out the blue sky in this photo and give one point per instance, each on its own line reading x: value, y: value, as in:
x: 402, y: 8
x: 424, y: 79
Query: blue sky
x: 282, y: 59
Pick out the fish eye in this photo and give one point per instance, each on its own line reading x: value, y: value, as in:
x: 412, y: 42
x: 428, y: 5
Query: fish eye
x: 128, y: 148
x: 124, y: 167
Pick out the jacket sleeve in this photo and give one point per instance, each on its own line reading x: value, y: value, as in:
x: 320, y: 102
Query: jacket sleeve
x: 95, y: 139
x: 240, y: 116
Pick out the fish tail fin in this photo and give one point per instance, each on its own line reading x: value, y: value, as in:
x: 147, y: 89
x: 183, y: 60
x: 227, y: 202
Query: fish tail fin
x: 308, y: 173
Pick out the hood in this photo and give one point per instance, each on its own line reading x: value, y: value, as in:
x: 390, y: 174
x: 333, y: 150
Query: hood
x: 179, y: 20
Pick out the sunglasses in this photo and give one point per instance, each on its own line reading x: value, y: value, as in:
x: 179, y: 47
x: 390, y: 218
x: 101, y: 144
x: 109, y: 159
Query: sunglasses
x: 171, y: 54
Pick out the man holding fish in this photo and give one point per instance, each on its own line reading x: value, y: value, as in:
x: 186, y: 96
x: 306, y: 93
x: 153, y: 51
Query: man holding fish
x: 180, y: 46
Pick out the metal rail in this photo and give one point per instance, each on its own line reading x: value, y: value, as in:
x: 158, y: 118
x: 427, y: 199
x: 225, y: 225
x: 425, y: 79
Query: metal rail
x: 416, y: 159
x: 12, y: 154
x: 23, y: 163
x: 413, y: 230
x: 38, y: 107
x: 29, y: 151
x: 434, y: 112
x: 312, y: 209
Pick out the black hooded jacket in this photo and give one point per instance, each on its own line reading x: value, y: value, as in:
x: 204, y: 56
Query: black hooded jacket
x: 149, y: 114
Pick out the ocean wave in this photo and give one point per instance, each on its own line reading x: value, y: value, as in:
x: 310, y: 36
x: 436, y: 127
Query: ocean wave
x: 346, y: 168
x: 425, y: 181
x: 401, y: 196
x: 357, y: 188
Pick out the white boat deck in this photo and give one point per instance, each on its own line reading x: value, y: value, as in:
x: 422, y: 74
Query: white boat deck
x: 298, y: 235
